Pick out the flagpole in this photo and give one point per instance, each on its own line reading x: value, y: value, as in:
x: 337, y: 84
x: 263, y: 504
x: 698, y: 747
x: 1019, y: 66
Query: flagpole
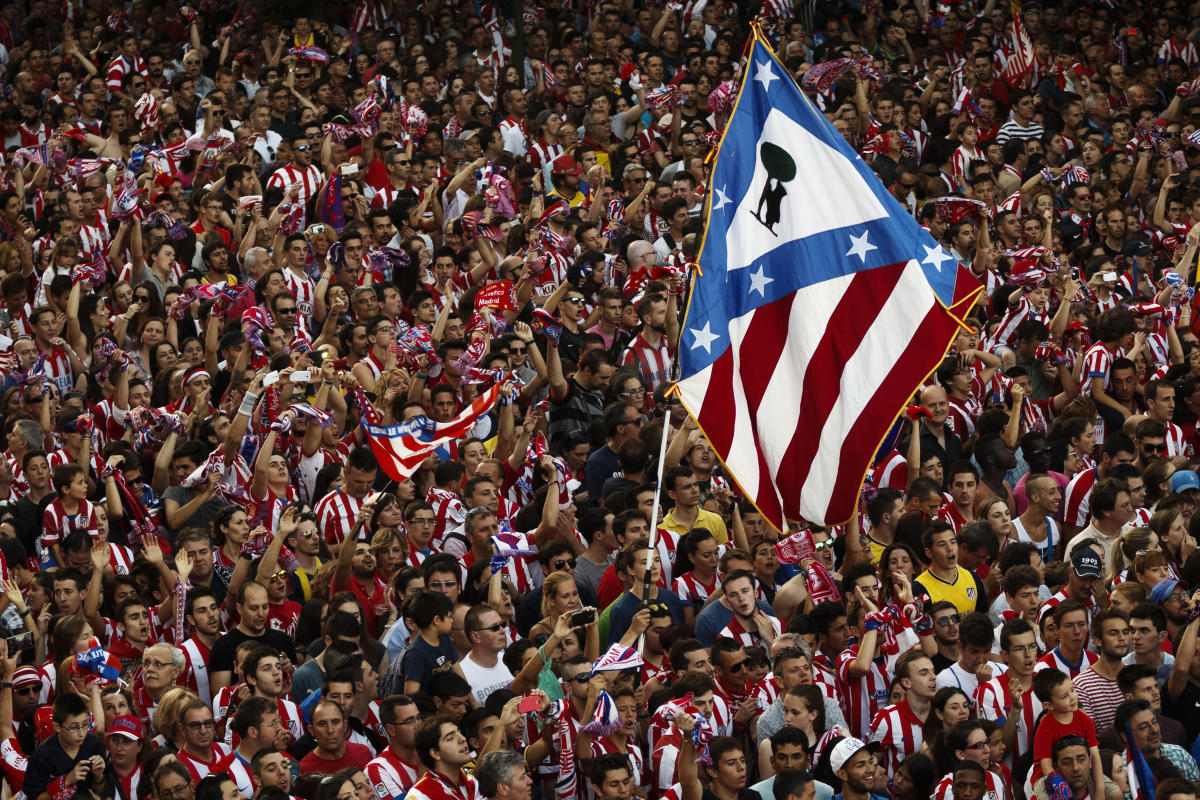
x: 662, y: 457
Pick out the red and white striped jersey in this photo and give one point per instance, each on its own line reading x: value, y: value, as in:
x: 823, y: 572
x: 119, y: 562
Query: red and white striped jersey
x: 120, y: 557
x: 290, y: 716
x: 899, y: 732
x: 1077, y: 498
x: 960, y: 161
x: 1184, y: 50
x: 963, y: 414
x: 637, y: 760
x: 391, y: 775
x: 237, y: 769
x: 432, y: 786
x: 1020, y: 311
x: 14, y: 761
x: 195, y: 675
x: 267, y: 510
x: 541, y: 152
x: 57, y: 523
x: 945, y: 788
x: 336, y: 513
x: 120, y: 68
x: 749, y: 637
x: 448, y: 511
x: 301, y: 286
x: 653, y: 362
x: 1055, y: 660
x: 993, y: 701
x: 765, y: 691
x: 1177, y: 444
x: 202, y: 768
x: 309, y: 178
x: 691, y: 590
x: 1097, y: 363
x: 516, y: 569
x: 862, y: 697
x: 58, y: 370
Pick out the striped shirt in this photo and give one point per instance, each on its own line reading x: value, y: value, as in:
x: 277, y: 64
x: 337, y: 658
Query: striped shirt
x: 993, y: 700
x: 119, y: 69
x: 57, y: 523
x: 865, y: 696
x: 1077, y: 498
x: 653, y: 362
x: 1098, y: 696
x: 336, y: 513
x: 1054, y: 660
x: 899, y: 731
x: 391, y: 775
x: 309, y: 178
x: 692, y: 591
x: 1097, y: 363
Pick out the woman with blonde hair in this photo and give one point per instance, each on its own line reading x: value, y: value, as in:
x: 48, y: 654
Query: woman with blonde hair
x: 168, y: 715
x: 560, y: 595
x: 1126, y: 595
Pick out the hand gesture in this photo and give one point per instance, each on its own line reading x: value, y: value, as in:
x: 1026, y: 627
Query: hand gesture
x: 8, y: 661
x: 12, y: 590
x: 183, y: 564
x: 640, y: 621
x: 151, y: 550
x: 902, y: 588
x: 684, y: 723
x: 1017, y: 392
x: 100, y: 556
x: 287, y: 522
x: 524, y: 332
x: 984, y: 673
x: 864, y: 600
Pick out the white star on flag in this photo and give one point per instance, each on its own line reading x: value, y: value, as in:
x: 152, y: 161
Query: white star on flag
x: 759, y: 281
x: 722, y: 199
x: 765, y: 76
x: 703, y: 337
x: 859, y: 246
x: 936, y: 256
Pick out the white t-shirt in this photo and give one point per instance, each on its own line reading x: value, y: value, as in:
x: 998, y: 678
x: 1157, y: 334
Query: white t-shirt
x: 485, y: 680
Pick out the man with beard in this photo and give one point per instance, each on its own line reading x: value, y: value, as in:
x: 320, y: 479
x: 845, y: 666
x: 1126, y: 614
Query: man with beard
x: 1099, y: 693
x: 443, y: 751
x: 852, y: 763
x: 271, y: 767
x: 651, y: 350
x: 203, y: 614
x: 258, y: 727
x: 253, y: 606
x: 301, y: 172
x: 354, y: 571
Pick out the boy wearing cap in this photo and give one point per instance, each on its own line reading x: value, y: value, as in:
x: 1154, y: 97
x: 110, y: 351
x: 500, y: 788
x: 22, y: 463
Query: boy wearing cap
x: 124, y: 741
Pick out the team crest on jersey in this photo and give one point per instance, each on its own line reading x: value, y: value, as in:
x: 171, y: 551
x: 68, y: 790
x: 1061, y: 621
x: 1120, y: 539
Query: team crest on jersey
x: 971, y: 593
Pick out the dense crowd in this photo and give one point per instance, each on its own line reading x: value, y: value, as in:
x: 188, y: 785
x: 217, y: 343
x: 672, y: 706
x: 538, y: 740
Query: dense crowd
x: 240, y: 241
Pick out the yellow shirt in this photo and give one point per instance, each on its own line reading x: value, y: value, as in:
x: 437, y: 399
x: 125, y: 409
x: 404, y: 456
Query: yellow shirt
x: 877, y: 549
x: 963, y: 592
x: 704, y: 519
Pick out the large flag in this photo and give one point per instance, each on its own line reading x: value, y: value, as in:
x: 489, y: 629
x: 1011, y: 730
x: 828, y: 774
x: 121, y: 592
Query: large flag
x: 821, y: 307
x: 401, y: 448
x: 1142, y: 783
x: 1020, y: 63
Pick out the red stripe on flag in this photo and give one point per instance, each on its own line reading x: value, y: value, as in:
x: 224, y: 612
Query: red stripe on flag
x: 933, y: 336
x: 849, y: 324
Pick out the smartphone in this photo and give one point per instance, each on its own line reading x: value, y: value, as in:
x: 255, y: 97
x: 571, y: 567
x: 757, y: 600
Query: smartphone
x: 270, y: 379
x: 5, y: 318
x: 19, y: 641
x: 301, y: 376
x: 529, y: 704
x: 580, y: 618
x: 349, y: 169
x: 1109, y: 276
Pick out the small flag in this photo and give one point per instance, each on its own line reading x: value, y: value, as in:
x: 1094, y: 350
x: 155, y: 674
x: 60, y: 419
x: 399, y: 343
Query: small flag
x: 618, y: 658
x: 329, y: 203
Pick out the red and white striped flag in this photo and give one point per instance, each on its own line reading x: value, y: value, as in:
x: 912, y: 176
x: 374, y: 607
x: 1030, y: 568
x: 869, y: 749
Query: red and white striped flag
x: 1020, y: 63
x: 816, y: 313
x: 401, y: 448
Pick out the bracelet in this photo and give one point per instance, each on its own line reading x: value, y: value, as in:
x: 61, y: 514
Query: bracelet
x: 248, y: 404
x: 23, y: 611
x: 6, y: 685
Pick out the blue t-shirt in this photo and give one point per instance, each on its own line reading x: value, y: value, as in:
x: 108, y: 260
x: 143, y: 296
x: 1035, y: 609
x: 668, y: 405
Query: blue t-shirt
x: 421, y: 661
x: 713, y: 620
x: 627, y: 605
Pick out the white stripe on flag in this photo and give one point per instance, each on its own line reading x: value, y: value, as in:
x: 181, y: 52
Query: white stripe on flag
x: 783, y: 400
x: 887, y: 339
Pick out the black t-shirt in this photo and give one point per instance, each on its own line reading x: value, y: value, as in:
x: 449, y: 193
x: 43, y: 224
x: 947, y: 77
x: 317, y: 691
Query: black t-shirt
x: 940, y: 662
x: 221, y: 658
x: 1185, y: 707
x: 50, y: 761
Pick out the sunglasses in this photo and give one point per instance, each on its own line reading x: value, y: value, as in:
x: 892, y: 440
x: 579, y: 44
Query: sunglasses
x: 739, y: 666
x: 949, y: 619
x: 304, y: 148
x: 561, y: 564
x: 576, y: 300
x: 499, y: 626
x: 517, y: 351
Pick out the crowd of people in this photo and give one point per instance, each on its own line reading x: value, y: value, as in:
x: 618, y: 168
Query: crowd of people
x: 246, y: 249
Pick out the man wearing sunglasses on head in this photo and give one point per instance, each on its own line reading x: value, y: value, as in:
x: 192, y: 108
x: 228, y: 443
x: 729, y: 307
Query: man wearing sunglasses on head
x: 301, y: 171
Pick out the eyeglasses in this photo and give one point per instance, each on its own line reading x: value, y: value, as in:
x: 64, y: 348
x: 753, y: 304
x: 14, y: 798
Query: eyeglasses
x: 479, y: 511
x: 403, y: 163
x: 422, y: 521
x: 689, y: 142
x: 82, y: 727
x: 199, y: 726
x: 1154, y: 448
x: 949, y: 619
x: 977, y: 745
x: 633, y: 393
x: 28, y: 689
x: 182, y: 791
x: 150, y: 662
x: 562, y: 563
x: 303, y: 74
x: 822, y: 545
x: 281, y: 574
x: 637, y: 180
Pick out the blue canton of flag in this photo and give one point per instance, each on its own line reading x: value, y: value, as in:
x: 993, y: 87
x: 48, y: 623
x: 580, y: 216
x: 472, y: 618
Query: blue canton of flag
x: 821, y: 307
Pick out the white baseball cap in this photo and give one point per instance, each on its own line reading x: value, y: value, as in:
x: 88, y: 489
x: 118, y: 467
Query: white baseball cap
x: 845, y: 750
